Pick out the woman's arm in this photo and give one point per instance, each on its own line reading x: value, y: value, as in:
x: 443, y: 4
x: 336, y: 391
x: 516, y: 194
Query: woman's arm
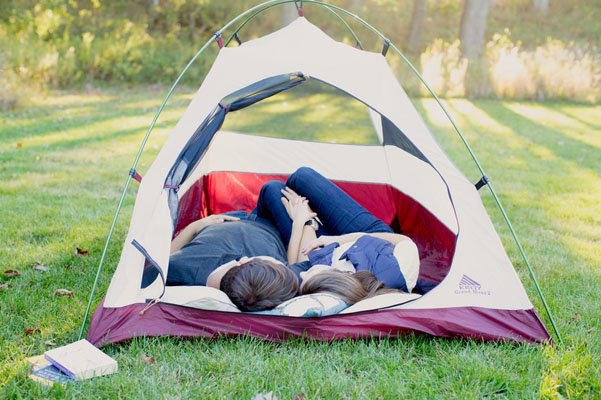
x: 188, y: 233
x: 393, y: 238
x: 299, y: 211
x: 301, y: 236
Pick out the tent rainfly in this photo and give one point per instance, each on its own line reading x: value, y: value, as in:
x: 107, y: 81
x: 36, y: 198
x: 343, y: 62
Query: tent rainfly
x: 407, y: 181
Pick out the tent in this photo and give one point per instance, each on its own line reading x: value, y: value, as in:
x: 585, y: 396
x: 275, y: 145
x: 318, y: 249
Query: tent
x: 407, y: 180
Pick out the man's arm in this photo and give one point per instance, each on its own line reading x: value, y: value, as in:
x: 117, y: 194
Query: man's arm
x: 188, y: 233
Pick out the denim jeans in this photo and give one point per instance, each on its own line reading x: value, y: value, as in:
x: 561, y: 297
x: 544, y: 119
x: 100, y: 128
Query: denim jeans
x: 338, y: 212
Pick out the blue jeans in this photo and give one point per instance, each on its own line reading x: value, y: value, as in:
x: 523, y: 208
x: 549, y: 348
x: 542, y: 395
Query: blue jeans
x: 338, y: 212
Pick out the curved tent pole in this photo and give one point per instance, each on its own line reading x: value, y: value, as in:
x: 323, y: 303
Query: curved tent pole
x: 262, y: 7
x: 444, y: 109
x: 215, y: 37
x: 357, y: 41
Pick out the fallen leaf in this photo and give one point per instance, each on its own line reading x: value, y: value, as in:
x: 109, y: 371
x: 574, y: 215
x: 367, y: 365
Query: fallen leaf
x: 12, y: 272
x: 575, y: 317
x: 148, y: 359
x: 4, y: 286
x: 81, y: 252
x: 32, y: 331
x: 62, y: 292
x: 49, y: 343
x: 300, y: 396
x: 265, y: 396
x: 39, y: 266
x: 68, y: 266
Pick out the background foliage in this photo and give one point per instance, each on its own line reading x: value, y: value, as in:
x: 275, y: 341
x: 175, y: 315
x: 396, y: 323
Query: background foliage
x: 70, y: 43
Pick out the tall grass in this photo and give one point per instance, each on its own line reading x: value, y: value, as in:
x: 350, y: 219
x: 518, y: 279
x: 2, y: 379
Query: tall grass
x: 552, y: 71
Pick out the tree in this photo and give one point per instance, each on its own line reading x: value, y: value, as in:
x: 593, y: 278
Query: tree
x: 542, y: 6
x: 473, y: 27
x: 355, y: 6
x: 417, y: 25
x: 289, y: 13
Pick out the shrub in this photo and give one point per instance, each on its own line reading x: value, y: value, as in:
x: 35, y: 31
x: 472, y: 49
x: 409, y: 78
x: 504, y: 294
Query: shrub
x: 553, y: 71
x: 11, y: 94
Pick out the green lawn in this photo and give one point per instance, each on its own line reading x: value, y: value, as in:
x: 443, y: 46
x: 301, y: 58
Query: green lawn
x: 64, y: 161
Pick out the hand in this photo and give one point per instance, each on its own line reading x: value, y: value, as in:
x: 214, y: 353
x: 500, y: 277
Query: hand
x: 212, y: 220
x: 298, y: 209
x: 292, y: 197
x: 321, y: 241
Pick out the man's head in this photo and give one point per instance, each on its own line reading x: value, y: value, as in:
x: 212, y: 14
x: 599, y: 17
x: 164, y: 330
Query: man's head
x: 259, y: 284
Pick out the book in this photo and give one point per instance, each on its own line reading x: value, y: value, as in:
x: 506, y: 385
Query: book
x: 42, y: 371
x: 81, y: 360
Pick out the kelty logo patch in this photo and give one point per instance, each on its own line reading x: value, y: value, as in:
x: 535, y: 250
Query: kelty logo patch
x: 468, y: 285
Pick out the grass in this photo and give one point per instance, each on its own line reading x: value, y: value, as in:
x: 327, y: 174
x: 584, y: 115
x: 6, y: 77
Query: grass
x: 64, y: 161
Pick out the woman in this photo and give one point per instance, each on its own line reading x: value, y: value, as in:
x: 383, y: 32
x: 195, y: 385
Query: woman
x: 349, y: 238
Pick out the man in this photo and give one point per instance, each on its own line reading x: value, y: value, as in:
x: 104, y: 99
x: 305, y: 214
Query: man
x: 244, y: 254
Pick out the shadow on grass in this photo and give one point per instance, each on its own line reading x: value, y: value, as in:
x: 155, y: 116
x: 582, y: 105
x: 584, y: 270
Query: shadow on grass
x: 46, y: 119
x: 557, y: 264
x: 559, y: 143
x: 557, y: 107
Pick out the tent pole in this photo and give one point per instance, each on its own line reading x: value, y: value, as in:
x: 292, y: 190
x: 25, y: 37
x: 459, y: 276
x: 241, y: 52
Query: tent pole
x: 540, y: 293
x: 531, y: 272
x: 135, y: 164
x: 108, y: 239
x: 469, y: 150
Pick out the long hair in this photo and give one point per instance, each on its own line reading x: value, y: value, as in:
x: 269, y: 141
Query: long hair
x: 351, y: 288
x: 259, y: 285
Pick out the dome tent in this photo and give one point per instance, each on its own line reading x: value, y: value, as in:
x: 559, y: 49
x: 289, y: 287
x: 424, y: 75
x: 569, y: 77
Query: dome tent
x: 407, y: 181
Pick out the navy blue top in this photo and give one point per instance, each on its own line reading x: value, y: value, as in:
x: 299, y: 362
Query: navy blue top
x: 218, y: 244
x: 367, y: 253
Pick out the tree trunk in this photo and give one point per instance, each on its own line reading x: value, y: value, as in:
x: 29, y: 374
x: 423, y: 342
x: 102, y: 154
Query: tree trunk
x: 542, y: 6
x: 355, y: 6
x: 289, y: 13
x: 473, y: 27
x: 417, y: 25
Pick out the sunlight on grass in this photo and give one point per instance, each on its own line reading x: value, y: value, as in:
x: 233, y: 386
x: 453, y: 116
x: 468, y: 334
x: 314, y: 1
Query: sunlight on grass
x: 327, y: 117
x: 570, y: 127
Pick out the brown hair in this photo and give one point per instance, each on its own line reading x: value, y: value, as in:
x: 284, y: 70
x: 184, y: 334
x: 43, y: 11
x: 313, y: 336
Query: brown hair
x: 259, y: 285
x: 351, y: 288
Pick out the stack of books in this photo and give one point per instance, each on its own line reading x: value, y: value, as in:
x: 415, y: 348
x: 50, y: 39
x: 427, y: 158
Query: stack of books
x: 75, y: 361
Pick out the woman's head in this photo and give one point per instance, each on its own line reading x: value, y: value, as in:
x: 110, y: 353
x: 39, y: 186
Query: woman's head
x: 259, y: 284
x: 351, y: 288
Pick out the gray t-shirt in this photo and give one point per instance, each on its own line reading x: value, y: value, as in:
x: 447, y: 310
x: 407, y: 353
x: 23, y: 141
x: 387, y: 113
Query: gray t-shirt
x: 218, y: 244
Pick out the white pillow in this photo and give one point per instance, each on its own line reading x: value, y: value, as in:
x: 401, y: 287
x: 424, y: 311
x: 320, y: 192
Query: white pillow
x: 308, y: 305
x: 381, y: 301
x: 201, y: 297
